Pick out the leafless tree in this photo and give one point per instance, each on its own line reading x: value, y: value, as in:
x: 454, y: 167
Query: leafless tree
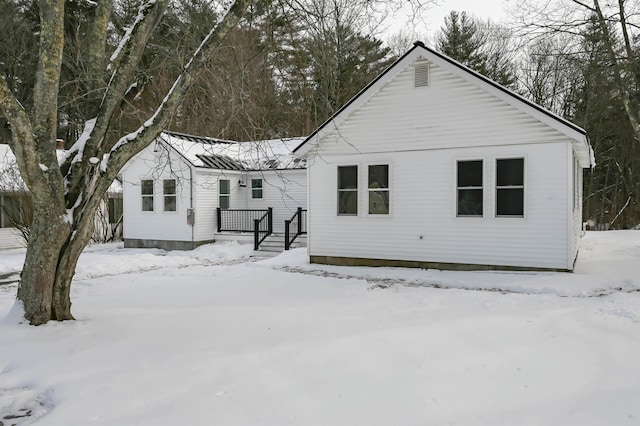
x: 66, y: 196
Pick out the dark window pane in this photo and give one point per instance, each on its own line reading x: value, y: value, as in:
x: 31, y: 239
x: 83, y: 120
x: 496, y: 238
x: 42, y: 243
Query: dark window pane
x: 469, y: 173
x: 348, y: 202
x: 256, y: 185
x: 147, y: 204
x: 510, y: 172
x: 224, y: 186
x: 224, y: 201
x: 379, y: 176
x: 378, y: 202
x: 147, y: 187
x: 169, y: 186
x: 470, y: 202
x: 348, y: 177
x: 510, y: 202
x: 170, y: 204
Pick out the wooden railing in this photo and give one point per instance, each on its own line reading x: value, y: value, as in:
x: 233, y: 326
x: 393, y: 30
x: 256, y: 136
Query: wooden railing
x: 262, y: 228
x: 297, y: 225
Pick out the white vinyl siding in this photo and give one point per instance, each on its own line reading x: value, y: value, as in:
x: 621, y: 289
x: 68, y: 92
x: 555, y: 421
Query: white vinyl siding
x: 424, y: 133
x: 207, y: 198
x: 155, y: 225
x: 283, y: 190
x: 197, y: 188
x: 451, y: 113
x: 205, y: 202
x: 424, y: 225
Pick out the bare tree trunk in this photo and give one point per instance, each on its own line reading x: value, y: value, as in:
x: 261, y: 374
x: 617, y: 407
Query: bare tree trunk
x: 47, y: 236
x: 67, y: 197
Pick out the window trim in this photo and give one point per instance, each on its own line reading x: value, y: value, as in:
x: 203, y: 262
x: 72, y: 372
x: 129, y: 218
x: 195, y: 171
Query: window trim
x: 480, y: 188
x: 356, y: 190
x: 227, y: 195
x: 151, y: 196
x: 523, y: 187
x: 166, y: 195
x: 387, y: 189
x: 261, y: 189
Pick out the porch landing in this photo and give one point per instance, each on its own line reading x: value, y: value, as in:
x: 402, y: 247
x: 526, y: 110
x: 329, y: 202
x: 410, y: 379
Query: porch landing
x: 273, y: 244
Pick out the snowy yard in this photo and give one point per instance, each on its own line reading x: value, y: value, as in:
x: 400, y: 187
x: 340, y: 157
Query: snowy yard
x: 210, y: 337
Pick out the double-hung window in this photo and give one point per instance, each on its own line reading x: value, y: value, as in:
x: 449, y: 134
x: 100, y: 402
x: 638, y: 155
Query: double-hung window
x: 348, y: 190
x: 224, y: 192
x: 469, y: 188
x: 510, y: 187
x: 379, y: 189
x: 169, y: 193
x: 147, y: 195
x: 256, y: 188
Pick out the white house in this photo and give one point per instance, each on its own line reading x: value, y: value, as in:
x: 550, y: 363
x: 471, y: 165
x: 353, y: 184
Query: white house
x: 433, y: 165
x: 183, y: 191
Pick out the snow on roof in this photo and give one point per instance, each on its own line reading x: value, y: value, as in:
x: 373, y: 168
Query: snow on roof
x: 273, y: 154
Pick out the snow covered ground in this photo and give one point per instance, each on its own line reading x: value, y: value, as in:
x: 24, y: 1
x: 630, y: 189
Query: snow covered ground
x: 211, y: 337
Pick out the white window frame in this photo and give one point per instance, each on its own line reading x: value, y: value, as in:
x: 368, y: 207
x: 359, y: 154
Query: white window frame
x: 387, y: 189
x: 227, y: 195
x: 166, y: 195
x: 144, y: 196
x: 255, y: 188
x: 523, y: 187
x: 355, y: 190
x: 478, y: 188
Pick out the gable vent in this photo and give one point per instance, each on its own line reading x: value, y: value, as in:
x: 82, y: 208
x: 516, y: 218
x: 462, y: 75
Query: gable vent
x: 421, y: 75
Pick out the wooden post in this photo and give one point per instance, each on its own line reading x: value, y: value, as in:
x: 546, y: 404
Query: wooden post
x: 219, y: 218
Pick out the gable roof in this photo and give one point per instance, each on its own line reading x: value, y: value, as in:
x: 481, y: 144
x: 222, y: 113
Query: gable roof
x: 419, y: 50
x: 220, y: 154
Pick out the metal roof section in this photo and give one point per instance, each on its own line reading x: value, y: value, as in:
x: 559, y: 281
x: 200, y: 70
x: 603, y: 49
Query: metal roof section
x: 209, y: 153
x: 576, y: 133
x: 219, y: 162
